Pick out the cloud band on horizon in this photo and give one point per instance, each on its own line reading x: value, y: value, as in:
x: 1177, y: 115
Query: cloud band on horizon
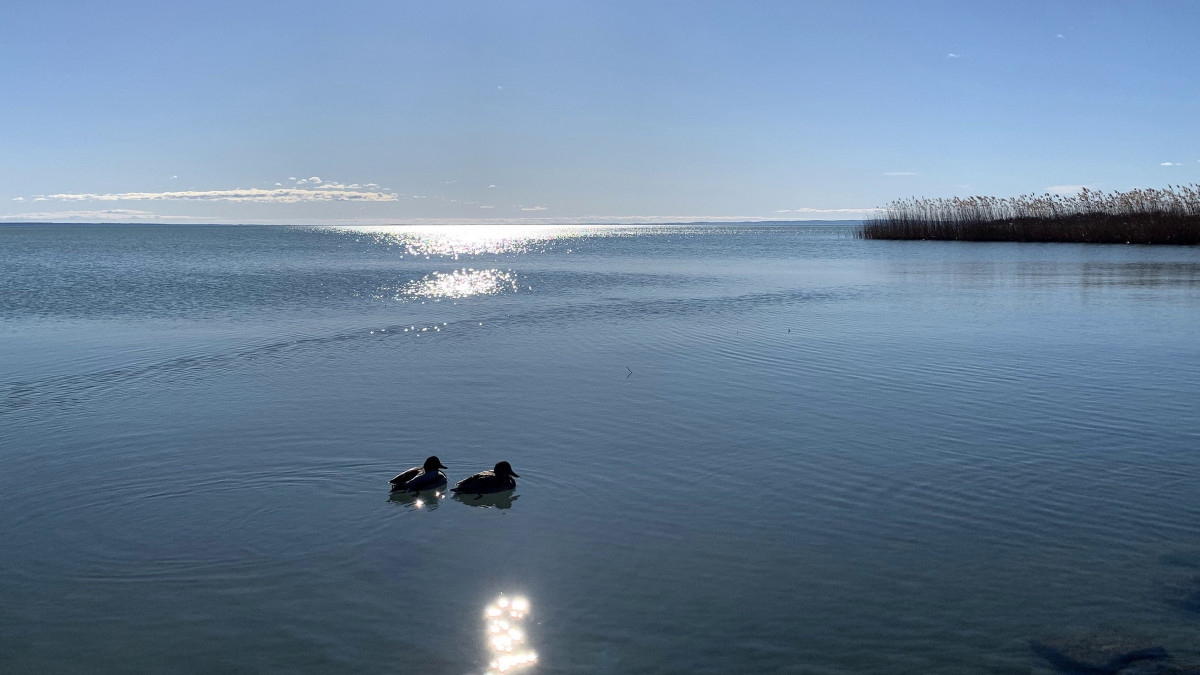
x: 811, y: 210
x: 275, y: 196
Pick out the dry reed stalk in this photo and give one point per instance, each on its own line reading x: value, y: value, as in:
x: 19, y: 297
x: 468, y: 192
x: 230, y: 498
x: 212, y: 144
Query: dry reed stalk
x: 1144, y: 216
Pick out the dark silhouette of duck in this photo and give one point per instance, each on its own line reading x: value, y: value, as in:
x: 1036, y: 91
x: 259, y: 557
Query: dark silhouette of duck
x: 483, y: 483
x: 418, y: 478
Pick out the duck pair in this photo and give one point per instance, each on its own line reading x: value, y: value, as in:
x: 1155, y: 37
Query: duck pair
x: 430, y: 477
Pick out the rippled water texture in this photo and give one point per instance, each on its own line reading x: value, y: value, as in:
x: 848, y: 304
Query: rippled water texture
x: 741, y: 448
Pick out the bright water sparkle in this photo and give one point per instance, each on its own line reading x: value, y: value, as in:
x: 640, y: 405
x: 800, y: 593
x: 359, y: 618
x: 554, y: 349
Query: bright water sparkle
x: 742, y: 449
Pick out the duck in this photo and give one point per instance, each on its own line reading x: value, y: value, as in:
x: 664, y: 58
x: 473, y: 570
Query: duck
x: 499, y: 479
x: 424, y: 477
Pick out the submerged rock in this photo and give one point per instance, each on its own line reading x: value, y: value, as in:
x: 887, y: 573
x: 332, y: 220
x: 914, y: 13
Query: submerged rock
x: 1106, y: 651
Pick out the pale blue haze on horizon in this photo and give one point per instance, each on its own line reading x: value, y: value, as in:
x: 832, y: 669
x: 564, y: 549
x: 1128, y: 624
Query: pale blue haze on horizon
x: 582, y: 111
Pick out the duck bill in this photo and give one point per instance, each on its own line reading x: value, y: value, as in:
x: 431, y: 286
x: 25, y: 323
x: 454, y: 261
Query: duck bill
x: 514, y: 474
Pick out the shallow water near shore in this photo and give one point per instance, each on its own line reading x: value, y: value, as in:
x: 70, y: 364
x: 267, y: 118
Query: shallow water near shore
x: 743, y: 448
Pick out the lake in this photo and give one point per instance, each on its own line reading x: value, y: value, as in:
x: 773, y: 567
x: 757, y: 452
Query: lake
x: 742, y: 448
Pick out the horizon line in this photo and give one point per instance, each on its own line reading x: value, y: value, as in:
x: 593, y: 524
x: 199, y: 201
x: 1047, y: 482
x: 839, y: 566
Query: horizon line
x: 433, y: 222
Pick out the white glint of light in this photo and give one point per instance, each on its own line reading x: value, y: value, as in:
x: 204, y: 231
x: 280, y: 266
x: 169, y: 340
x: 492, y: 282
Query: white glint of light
x: 429, y: 501
x: 456, y: 240
x: 456, y: 284
x: 505, y: 636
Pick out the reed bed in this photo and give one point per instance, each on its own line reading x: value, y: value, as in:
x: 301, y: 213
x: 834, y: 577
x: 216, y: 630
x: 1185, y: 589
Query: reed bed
x: 1166, y: 216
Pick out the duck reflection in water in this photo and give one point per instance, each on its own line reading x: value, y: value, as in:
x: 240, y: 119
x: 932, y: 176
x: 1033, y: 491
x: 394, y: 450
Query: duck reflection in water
x: 499, y: 500
x: 427, y: 501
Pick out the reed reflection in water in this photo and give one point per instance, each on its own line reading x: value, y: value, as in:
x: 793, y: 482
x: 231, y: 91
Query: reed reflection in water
x: 505, y: 634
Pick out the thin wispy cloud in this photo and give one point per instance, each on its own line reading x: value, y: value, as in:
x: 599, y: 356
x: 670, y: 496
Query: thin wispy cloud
x: 18, y: 199
x: 1060, y: 36
x: 900, y: 173
x: 301, y: 190
x: 318, y: 183
x: 952, y: 55
x: 1170, y: 164
x: 95, y: 216
x: 533, y: 208
x: 253, y: 195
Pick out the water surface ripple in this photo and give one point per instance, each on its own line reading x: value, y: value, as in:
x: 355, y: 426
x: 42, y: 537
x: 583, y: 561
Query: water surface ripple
x: 743, y: 448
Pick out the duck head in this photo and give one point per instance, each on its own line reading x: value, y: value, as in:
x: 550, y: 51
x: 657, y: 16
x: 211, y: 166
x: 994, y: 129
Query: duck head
x: 433, y: 464
x: 503, y: 469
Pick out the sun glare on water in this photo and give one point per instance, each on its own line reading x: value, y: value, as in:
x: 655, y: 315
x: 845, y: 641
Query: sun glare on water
x: 456, y: 240
x: 505, y: 634
x: 461, y: 284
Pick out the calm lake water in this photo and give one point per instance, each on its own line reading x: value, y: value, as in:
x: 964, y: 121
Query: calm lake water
x: 752, y: 448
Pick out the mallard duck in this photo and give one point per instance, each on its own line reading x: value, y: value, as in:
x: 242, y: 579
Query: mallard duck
x: 425, y: 477
x: 487, y: 482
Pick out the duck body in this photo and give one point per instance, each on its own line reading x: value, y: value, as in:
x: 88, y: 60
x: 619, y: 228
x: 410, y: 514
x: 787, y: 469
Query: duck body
x: 499, y: 479
x: 418, y: 478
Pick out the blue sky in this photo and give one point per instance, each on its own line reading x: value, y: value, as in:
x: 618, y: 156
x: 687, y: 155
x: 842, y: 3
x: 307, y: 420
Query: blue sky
x: 582, y: 111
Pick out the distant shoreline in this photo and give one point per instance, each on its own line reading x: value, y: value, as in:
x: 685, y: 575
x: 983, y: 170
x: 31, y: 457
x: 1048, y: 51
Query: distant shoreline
x: 446, y: 224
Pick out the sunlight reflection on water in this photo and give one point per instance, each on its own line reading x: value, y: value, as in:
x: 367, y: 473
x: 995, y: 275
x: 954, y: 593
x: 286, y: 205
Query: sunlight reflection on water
x: 427, y: 501
x: 462, y: 283
x: 505, y: 635
x: 452, y: 285
x: 456, y: 240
